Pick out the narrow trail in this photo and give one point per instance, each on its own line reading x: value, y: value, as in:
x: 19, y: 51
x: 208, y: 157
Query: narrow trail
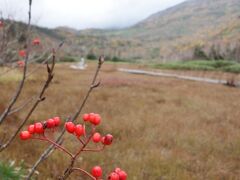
x: 172, y: 75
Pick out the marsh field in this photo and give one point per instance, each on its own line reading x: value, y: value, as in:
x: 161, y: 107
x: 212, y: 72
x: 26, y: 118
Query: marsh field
x: 163, y: 128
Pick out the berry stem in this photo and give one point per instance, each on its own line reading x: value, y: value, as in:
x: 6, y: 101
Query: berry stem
x: 55, y: 144
x: 85, y: 134
x: 59, y: 146
x: 69, y: 170
x: 85, y: 144
x: 94, y: 150
x: 85, y: 172
x: 81, y: 141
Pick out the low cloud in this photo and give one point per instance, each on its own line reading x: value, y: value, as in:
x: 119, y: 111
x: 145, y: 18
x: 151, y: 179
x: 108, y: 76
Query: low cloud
x: 82, y: 14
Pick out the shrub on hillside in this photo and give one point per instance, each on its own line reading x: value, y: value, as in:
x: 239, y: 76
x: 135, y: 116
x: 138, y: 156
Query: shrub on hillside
x: 199, y: 53
x: 68, y: 59
x: 91, y: 56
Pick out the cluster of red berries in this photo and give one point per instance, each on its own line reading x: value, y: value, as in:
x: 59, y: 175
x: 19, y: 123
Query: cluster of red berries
x: 117, y: 174
x: 79, y: 129
x: 22, y: 53
x: 39, y: 128
x: 21, y: 63
x: 36, y: 42
x: 93, y: 118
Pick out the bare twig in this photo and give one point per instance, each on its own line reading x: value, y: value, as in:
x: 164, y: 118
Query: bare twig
x: 31, y: 60
x: 92, y: 86
x: 83, y: 171
x: 38, y: 100
x: 61, y: 142
x: 81, y: 141
x: 69, y: 169
x: 22, y: 82
x: 45, y: 155
x: 94, y: 150
x: 21, y: 106
x: 46, y: 60
x: 55, y: 145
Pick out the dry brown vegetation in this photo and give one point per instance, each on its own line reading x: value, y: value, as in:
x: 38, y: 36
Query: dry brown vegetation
x: 164, y: 128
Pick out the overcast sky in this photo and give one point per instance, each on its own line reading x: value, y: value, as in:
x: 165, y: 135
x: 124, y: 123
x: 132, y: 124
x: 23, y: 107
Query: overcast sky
x: 83, y: 14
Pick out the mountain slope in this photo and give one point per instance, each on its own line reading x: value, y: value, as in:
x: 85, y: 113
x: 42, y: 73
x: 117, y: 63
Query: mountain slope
x: 175, y: 32
x: 187, y: 19
x: 185, y: 31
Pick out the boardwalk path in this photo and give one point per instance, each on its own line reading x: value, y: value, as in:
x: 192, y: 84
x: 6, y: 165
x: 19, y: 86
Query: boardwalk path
x: 171, y: 75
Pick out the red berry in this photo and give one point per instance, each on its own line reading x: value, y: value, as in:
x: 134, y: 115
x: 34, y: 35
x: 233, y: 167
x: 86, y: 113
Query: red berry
x: 86, y: 117
x: 96, y: 120
x: 107, y: 140
x: 21, y: 63
x: 36, y: 41
x: 38, y: 128
x: 122, y: 175
x: 96, y: 137
x: 50, y: 123
x: 1, y: 24
x: 91, y: 117
x: 79, y: 130
x: 113, y: 176
x: 24, y: 135
x: 31, y: 129
x: 97, y: 171
x: 57, y: 121
x: 22, y: 53
x: 70, y: 127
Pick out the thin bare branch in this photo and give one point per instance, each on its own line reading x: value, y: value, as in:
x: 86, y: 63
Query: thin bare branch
x: 22, y: 82
x: 44, y: 155
x: 92, y: 86
x: 46, y: 60
x: 38, y: 100
x: 69, y: 169
x: 94, y: 150
x: 81, y: 141
x: 56, y: 145
x: 85, y: 172
x: 61, y: 142
x: 21, y: 106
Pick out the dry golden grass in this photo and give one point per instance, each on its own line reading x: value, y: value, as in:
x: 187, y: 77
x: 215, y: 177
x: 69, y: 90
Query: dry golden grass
x: 164, y: 128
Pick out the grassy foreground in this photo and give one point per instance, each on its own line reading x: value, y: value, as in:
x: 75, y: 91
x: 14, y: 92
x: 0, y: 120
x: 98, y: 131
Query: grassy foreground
x: 213, y: 65
x: 163, y: 128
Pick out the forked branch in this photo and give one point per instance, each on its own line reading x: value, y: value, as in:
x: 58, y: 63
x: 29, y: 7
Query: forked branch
x: 22, y: 82
x: 92, y: 86
x: 40, y: 98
